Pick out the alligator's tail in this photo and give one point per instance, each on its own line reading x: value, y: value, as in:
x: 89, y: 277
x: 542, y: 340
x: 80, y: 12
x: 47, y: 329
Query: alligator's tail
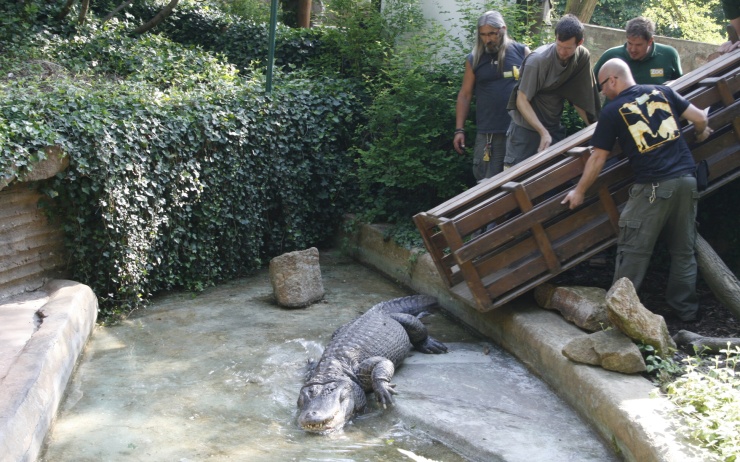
x: 413, y: 304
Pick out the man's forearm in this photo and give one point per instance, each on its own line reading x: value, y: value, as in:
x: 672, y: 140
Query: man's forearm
x: 461, y: 111
x: 583, y: 114
x: 526, y: 110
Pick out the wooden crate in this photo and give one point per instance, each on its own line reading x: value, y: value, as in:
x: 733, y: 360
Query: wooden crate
x: 529, y: 236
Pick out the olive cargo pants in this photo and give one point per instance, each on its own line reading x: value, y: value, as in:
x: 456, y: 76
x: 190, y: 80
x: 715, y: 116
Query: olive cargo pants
x: 665, y: 210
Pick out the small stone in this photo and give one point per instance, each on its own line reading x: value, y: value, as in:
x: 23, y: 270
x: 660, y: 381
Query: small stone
x: 296, y: 278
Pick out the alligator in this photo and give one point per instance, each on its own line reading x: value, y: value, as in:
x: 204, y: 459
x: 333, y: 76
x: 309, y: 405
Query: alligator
x: 361, y: 357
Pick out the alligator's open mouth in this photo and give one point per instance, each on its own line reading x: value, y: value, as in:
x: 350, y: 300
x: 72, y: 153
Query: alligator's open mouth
x: 321, y: 428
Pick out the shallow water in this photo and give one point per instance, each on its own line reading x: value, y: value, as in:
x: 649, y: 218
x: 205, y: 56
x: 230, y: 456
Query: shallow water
x: 216, y: 376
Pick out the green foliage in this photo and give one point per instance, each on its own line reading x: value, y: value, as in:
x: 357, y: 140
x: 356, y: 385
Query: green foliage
x: 691, y: 20
x: 182, y: 174
x: 406, y: 163
x: 243, y: 43
x: 251, y: 10
x: 108, y: 50
x: 571, y: 120
x: 707, y: 403
x: 612, y: 13
x: 660, y: 369
x: 361, y: 43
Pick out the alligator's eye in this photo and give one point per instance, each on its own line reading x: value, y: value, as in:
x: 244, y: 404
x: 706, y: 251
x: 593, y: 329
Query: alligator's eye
x: 311, y: 392
x: 343, y: 394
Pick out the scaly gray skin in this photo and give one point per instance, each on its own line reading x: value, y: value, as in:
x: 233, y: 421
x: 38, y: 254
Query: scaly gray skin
x: 361, y: 357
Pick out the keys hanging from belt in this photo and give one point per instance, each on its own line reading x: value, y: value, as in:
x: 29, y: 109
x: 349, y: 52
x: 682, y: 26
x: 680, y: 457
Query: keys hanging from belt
x: 487, y: 150
x: 652, y: 194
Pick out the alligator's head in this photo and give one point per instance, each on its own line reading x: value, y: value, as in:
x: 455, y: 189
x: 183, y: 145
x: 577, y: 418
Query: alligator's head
x: 325, y: 406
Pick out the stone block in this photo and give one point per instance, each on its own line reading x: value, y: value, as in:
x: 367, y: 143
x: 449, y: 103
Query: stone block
x: 610, y: 349
x: 583, y: 306
x: 296, y: 278
x: 629, y: 315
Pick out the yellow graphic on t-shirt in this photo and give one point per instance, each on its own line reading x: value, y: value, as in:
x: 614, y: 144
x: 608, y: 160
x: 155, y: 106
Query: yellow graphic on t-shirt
x: 657, y: 72
x: 650, y: 121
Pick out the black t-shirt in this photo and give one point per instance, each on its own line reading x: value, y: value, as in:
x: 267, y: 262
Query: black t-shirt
x: 645, y: 120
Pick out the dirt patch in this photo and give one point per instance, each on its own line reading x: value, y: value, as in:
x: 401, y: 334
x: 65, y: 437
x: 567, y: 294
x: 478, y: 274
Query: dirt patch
x: 716, y: 321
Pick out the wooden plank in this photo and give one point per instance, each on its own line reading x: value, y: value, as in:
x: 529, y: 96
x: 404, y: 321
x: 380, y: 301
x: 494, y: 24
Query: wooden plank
x: 725, y: 92
x: 426, y: 224
x: 540, y: 236
x: 468, y: 270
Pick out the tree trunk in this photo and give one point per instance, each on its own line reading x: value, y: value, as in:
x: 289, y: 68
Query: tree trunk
x: 304, y: 13
x: 161, y: 16
x: 695, y: 343
x: 84, y: 6
x: 718, y: 276
x: 583, y: 9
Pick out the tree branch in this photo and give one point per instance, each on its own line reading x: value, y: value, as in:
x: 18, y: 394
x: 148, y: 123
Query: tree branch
x: 116, y: 10
x: 161, y: 16
x: 65, y: 10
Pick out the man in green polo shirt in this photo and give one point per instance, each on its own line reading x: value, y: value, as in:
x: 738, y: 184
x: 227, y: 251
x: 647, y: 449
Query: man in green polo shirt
x: 650, y: 62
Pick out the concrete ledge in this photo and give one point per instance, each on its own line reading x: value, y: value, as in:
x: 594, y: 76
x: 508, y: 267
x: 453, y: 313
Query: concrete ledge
x: 619, y: 406
x: 39, y: 367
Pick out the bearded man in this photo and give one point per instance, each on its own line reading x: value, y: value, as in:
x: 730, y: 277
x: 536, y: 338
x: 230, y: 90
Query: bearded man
x: 491, y: 71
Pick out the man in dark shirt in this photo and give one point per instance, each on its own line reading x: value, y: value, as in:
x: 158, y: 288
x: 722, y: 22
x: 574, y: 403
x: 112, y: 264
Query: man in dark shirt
x: 491, y: 71
x: 645, y: 120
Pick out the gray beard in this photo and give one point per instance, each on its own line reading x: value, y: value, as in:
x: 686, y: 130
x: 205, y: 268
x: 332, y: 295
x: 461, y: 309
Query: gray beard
x: 492, y: 50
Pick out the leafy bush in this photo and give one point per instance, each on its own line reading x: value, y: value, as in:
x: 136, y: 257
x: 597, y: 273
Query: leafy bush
x: 408, y: 164
x: 182, y: 174
x: 708, y: 405
x: 660, y: 370
x: 242, y: 42
x: 253, y: 10
x: 693, y: 21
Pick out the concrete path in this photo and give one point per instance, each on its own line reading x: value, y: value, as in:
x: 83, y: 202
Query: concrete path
x: 42, y: 335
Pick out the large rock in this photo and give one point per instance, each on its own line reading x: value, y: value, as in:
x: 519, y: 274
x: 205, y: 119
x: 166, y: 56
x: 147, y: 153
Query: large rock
x: 610, y: 349
x: 583, y: 306
x: 629, y: 315
x: 296, y: 278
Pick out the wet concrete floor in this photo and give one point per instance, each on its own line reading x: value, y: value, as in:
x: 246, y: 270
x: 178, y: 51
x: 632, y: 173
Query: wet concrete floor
x: 215, y: 376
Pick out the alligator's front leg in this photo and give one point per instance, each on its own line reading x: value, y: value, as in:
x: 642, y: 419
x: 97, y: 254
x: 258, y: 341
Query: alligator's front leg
x: 376, y: 373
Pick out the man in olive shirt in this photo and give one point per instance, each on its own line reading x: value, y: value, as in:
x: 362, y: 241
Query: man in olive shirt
x: 651, y: 63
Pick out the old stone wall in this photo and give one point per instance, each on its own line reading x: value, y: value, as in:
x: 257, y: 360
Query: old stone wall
x: 693, y: 54
x: 31, y: 245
